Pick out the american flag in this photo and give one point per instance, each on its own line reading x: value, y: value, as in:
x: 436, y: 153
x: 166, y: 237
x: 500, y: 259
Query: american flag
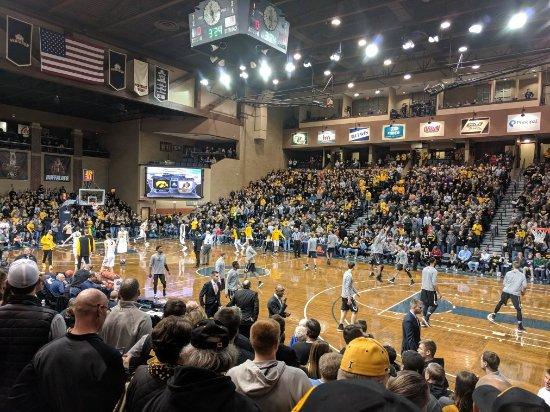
x: 69, y: 58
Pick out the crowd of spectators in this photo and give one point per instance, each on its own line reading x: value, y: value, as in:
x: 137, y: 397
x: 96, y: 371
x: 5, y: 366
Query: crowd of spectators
x: 415, y: 109
x: 206, y: 155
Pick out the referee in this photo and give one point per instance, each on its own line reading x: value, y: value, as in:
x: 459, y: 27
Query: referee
x: 514, y: 286
x: 349, y: 293
x: 428, y: 294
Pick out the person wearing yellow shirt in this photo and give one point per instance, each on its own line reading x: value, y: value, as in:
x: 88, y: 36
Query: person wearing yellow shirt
x: 42, y: 215
x: 48, y: 245
x: 194, y: 224
x: 239, y: 247
x: 248, y: 233
x: 276, y: 236
x: 262, y: 201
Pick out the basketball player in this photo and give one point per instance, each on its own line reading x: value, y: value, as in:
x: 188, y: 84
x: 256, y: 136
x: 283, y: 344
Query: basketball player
x: 349, y: 294
x: 250, y: 260
x: 142, y: 233
x: 515, y: 284
x: 122, y: 244
x: 276, y: 236
x: 239, y: 247
x: 402, y: 263
x: 429, y: 292
x: 110, y: 248
x: 74, y: 236
x: 377, y: 252
x: 332, y: 243
x: 157, y: 265
x: 311, y: 251
x: 183, y: 227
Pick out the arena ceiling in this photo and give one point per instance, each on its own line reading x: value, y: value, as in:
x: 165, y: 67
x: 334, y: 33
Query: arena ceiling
x: 159, y: 29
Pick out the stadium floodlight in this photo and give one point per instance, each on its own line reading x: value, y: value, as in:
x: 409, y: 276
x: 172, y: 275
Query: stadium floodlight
x: 204, y: 82
x: 265, y: 71
x: 476, y: 28
x: 225, y: 79
x: 517, y: 21
x: 371, y: 50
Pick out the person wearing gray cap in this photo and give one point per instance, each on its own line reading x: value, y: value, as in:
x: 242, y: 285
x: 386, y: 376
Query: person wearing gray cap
x: 26, y: 325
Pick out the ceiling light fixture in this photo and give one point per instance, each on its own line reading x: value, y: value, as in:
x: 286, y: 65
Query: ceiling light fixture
x: 297, y: 56
x: 407, y: 76
x: 445, y: 24
x: 371, y: 50
x: 409, y: 44
x: 475, y: 66
x: 244, y: 75
x: 335, y: 21
x: 204, y: 82
x: 350, y: 85
x: 289, y: 67
x: 242, y: 67
x: 362, y: 42
x: 265, y: 71
x: 355, y: 94
x: 335, y: 57
x: 387, y: 62
x: 433, y: 39
x: 517, y: 21
x: 307, y: 64
x: 326, y: 72
x: 225, y: 79
x: 463, y: 49
x: 476, y: 28
x: 377, y: 91
x: 275, y: 82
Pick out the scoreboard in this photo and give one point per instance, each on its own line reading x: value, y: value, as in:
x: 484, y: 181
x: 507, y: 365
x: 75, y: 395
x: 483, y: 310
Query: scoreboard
x: 246, y: 21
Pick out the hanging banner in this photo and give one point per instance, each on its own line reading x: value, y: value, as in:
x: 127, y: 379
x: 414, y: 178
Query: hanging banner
x: 117, y: 70
x: 57, y: 168
x: 478, y: 125
x: 432, y: 129
x: 14, y: 165
x: 326, y: 136
x: 359, y: 134
x: 523, y: 122
x: 393, y: 132
x: 18, y: 41
x: 141, y: 77
x: 299, y: 139
x: 162, y: 83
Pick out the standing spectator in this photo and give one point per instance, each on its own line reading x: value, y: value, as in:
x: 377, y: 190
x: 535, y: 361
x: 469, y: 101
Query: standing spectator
x: 365, y: 358
x: 272, y: 384
x: 231, y: 319
x: 544, y: 392
x: 318, y: 349
x: 427, y: 349
x: 47, y: 243
x: 246, y: 300
x: 464, y: 390
x: 490, y: 362
x: 411, y: 327
x: 329, y: 364
x: 285, y: 353
x: 26, y: 325
x: 126, y: 323
x: 276, y: 305
x: 209, y: 296
x: 77, y: 372
x: 313, y: 330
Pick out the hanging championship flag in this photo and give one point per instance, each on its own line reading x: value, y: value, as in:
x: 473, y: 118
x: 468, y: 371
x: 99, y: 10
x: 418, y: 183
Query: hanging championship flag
x: 162, y: 83
x: 140, y: 77
x: 18, y: 41
x: 117, y: 70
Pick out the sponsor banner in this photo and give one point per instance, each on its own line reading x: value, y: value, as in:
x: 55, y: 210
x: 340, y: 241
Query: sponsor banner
x: 117, y: 70
x: 162, y: 83
x: 393, y: 131
x: 14, y: 165
x: 326, y: 136
x: 88, y: 175
x: 479, y: 125
x: 526, y: 122
x: 299, y: 139
x: 432, y: 129
x: 18, y: 41
x: 359, y: 134
x: 23, y: 130
x: 57, y: 168
x: 141, y: 77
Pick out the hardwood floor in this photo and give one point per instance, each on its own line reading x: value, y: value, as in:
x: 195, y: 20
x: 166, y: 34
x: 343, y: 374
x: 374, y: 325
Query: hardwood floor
x: 459, y: 327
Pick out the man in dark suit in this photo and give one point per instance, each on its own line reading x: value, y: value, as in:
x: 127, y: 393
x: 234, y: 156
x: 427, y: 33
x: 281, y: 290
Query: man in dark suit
x: 246, y: 300
x: 209, y: 297
x: 276, y: 305
x: 197, y: 246
x: 411, y: 327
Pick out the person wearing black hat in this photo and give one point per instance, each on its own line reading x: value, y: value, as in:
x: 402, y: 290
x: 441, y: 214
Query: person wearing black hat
x: 209, y: 296
x: 199, y: 384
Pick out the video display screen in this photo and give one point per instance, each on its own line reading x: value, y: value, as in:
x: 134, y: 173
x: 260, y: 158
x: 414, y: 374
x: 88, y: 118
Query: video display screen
x: 173, y: 182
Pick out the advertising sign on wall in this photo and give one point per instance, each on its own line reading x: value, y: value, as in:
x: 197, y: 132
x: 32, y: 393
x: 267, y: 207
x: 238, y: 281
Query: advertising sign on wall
x: 359, y: 134
x: 299, y: 139
x: 479, y: 125
x: 57, y: 168
x: 326, y: 136
x: 393, y: 131
x: 526, y: 122
x: 432, y: 129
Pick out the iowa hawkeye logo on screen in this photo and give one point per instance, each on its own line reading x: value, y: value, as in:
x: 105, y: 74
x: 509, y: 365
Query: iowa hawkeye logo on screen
x: 161, y: 184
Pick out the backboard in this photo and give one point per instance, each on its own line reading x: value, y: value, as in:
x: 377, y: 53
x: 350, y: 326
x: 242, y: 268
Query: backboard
x: 89, y: 197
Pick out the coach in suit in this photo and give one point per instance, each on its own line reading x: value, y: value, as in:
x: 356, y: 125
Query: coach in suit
x: 411, y: 327
x: 246, y: 300
x: 276, y: 305
x: 209, y: 297
x: 198, y: 239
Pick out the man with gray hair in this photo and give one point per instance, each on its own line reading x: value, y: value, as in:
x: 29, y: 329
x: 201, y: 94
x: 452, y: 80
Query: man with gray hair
x: 515, y: 284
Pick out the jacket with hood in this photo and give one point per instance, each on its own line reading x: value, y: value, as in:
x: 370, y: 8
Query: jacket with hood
x: 197, y: 389
x: 273, y: 385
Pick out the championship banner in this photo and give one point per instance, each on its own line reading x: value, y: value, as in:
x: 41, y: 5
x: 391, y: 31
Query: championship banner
x: 57, y: 168
x: 141, y: 77
x: 18, y: 41
x: 359, y: 134
x: 479, y: 125
x: 117, y: 70
x: 14, y: 165
x: 161, y: 85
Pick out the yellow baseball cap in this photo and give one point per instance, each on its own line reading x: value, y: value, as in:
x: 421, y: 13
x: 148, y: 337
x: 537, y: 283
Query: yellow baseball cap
x: 367, y: 357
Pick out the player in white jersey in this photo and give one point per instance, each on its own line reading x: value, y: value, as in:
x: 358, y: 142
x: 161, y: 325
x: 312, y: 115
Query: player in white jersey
x: 74, y: 237
x: 122, y: 244
x: 183, y: 232
x: 142, y: 233
x: 401, y: 263
x: 110, y: 248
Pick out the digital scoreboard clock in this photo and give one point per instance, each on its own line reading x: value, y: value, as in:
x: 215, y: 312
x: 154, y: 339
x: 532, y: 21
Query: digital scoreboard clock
x: 239, y: 23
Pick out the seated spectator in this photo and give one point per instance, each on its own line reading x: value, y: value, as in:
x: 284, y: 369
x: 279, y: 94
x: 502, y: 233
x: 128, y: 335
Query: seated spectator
x: 365, y: 358
x: 271, y: 383
x: 474, y: 262
x: 77, y: 372
x: 412, y: 386
x: 412, y: 361
x: 350, y: 333
x: 490, y: 362
x: 464, y: 257
x: 231, y: 319
x: 126, y: 323
x: 427, y: 349
x: 285, y: 353
x: 313, y: 330
x: 199, y: 384
x: 168, y: 338
x: 318, y: 349
x: 435, y: 376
